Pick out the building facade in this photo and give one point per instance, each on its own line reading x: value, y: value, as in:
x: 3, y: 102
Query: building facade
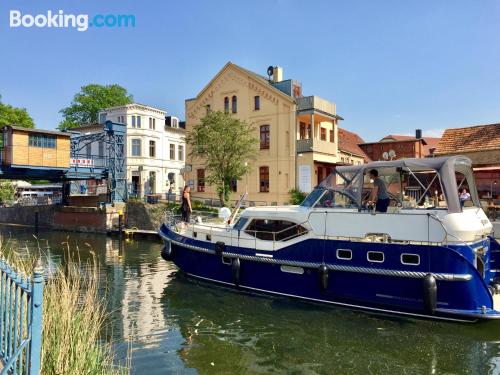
x: 481, y: 144
x: 155, y: 148
x: 400, y: 147
x: 298, y: 135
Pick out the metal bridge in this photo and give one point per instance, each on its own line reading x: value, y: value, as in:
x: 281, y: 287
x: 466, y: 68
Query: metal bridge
x: 109, y: 165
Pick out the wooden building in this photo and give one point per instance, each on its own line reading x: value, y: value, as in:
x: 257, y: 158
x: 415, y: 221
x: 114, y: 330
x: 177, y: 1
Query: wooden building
x: 35, y: 148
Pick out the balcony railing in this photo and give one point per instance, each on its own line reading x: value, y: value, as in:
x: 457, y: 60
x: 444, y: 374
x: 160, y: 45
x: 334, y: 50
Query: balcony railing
x: 316, y: 145
x: 316, y: 103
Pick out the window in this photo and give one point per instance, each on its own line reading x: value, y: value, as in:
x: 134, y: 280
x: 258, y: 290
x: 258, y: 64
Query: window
x: 133, y: 122
x: 256, y: 102
x: 226, y: 105
x: 234, y: 104
x: 152, y: 123
x: 102, y: 118
x: 264, y: 179
x: 181, y: 152
x: 88, y: 150
x: 344, y: 254
x: 175, y: 122
x: 302, y: 130
x: 121, y: 120
x: 207, y: 107
x: 152, y: 149
x: 278, y: 230
x: 138, y: 121
x: 375, y: 256
x: 332, y: 136
x: 40, y: 140
x: 410, y: 259
x: 323, y: 134
x: 264, y: 137
x: 200, y: 174
x: 172, y: 152
x: 136, y: 147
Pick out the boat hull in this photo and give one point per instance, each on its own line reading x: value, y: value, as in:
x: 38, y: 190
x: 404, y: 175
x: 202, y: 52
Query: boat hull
x: 311, y: 271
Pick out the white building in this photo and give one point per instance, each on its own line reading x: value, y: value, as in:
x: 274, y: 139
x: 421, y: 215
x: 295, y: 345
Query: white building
x: 155, y: 148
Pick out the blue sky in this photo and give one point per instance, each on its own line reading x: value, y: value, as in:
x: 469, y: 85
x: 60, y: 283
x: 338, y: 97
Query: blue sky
x: 391, y: 66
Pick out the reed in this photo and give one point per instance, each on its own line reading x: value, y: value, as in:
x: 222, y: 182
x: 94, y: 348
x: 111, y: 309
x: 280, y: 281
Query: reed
x: 74, y: 317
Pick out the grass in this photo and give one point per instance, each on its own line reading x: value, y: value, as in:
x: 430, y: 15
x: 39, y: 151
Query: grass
x: 74, y: 315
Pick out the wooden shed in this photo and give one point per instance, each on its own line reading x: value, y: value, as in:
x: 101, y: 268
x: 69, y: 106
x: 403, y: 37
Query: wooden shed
x: 32, y: 148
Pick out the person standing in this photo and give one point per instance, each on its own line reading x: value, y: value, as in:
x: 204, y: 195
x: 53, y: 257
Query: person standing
x: 186, y: 208
x: 464, y: 196
x: 379, y: 194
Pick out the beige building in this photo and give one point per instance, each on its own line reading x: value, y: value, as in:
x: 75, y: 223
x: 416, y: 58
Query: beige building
x: 298, y: 134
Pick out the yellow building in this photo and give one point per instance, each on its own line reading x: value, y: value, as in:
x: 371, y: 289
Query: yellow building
x: 298, y: 134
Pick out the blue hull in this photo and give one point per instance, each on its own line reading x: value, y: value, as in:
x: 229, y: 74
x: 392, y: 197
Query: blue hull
x: 310, y: 270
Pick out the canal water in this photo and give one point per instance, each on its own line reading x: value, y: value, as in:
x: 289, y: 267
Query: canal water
x: 175, y: 325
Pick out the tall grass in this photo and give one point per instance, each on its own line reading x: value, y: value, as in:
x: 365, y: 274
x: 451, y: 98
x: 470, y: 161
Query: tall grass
x: 74, y: 315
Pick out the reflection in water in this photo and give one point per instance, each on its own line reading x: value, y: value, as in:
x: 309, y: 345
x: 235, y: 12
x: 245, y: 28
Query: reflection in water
x: 177, y: 325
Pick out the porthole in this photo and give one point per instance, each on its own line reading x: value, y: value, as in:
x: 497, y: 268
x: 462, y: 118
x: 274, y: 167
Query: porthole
x: 410, y: 259
x: 291, y: 269
x: 344, y: 254
x: 195, y: 234
x: 375, y: 256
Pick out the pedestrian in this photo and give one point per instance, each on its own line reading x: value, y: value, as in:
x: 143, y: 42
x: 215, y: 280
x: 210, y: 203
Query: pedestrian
x: 186, y: 208
x: 379, y: 194
x: 464, y: 196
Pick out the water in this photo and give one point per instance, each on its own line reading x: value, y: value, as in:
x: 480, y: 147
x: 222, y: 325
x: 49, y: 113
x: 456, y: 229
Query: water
x: 178, y: 326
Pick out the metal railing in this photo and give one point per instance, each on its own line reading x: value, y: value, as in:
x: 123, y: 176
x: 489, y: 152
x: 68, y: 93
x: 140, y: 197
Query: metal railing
x: 20, y: 320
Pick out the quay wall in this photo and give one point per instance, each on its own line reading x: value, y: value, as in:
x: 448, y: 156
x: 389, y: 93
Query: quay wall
x: 25, y: 215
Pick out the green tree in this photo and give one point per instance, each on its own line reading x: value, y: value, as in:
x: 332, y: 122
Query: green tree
x: 7, y: 191
x: 10, y: 115
x: 296, y: 196
x: 89, y: 101
x: 227, y: 145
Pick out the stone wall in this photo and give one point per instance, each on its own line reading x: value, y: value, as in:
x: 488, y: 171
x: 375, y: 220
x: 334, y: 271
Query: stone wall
x: 25, y: 215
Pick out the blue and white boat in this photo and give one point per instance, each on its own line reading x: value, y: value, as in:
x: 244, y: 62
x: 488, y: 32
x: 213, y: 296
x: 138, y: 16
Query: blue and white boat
x: 429, y: 256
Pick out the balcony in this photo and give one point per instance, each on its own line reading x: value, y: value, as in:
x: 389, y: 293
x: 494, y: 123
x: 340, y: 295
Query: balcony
x: 316, y: 145
x: 315, y: 103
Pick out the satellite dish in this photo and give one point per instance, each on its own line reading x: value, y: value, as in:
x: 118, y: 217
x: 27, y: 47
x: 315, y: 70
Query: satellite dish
x: 270, y: 71
x: 392, y: 153
x: 385, y: 155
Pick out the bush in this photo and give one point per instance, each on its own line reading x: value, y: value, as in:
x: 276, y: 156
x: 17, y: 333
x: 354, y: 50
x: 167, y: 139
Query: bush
x: 296, y: 196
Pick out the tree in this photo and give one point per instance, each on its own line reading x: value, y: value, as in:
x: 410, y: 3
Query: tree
x: 89, y: 101
x: 7, y: 191
x: 227, y: 145
x: 10, y: 115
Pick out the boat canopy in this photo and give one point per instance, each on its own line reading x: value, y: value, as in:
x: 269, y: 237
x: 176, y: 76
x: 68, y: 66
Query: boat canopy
x: 445, y: 167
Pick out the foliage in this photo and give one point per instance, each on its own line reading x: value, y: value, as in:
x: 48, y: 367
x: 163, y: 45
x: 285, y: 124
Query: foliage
x: 89, y: 101
x: 73, y: 318
x: 296, y: 196
x: 227, y: 146
x: 10, y: 115
x: 7, y: 191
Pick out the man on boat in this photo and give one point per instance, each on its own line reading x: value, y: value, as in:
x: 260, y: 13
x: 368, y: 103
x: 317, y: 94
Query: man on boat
x: 379, y: 194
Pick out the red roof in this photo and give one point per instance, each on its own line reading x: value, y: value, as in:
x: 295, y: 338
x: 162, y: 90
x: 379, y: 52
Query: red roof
x: 395, y: 137
x: 349, y: 142
x: 474, y: 138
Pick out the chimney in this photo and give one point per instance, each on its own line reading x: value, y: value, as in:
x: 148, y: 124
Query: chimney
x: 418, y: 133
x: 277, y: 74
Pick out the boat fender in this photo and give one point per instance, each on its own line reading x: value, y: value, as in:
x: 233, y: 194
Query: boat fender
x: 220, y: 247
x: 166, y: 251
x: 323, y: 277
x: 236, y: 271
x: 430, y: 294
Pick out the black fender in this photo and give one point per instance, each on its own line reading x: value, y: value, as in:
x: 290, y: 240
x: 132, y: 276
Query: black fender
x: 235, y: 268
x: 166, y: 251
x: 220, y: 247
x: 430, y: 293
x: 323, y: 277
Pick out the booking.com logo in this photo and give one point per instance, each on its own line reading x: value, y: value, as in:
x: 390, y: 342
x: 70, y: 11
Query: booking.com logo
x: 80, y: 22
